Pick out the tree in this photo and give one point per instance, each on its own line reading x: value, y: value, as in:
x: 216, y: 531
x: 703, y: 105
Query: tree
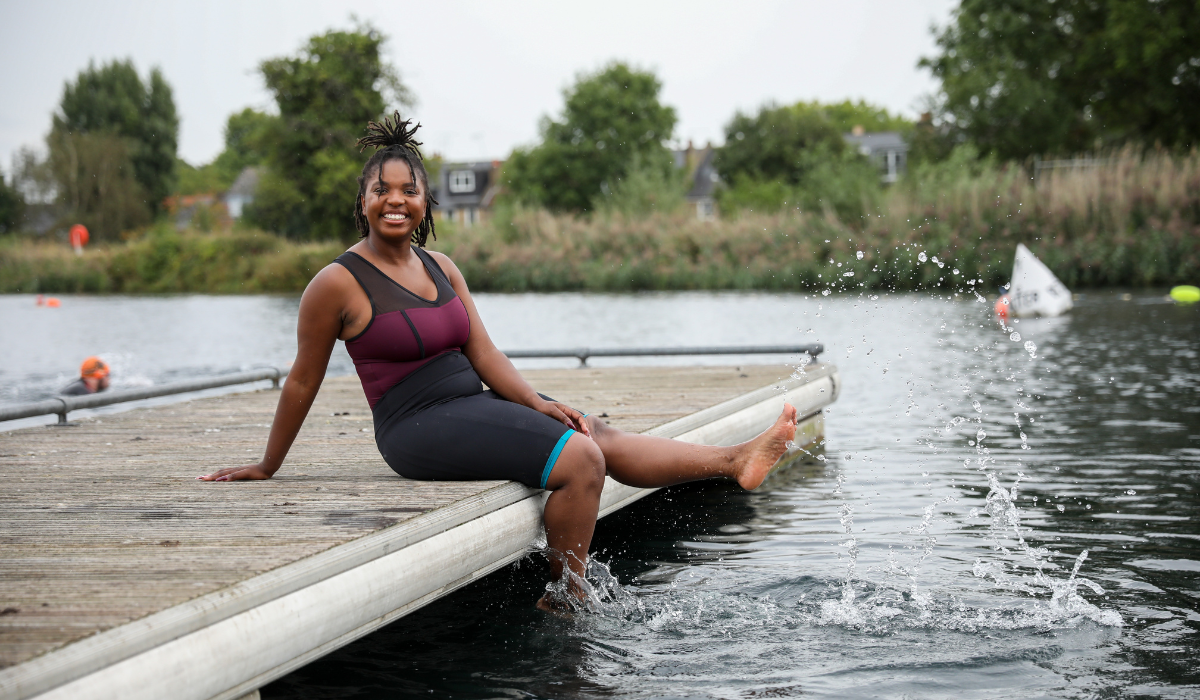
x: 247, y: 135
x: 796, y: 156
x: 846, y: 115
x: 325, y: 95
x: 112, y: 100
x: 1022, y: 77
x: 97, y: 183
x: 610, y: 118
x: 778, y: 143
x: 12, y: 206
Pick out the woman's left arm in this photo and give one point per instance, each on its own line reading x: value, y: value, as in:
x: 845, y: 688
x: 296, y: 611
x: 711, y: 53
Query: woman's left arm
x: 494, y: 367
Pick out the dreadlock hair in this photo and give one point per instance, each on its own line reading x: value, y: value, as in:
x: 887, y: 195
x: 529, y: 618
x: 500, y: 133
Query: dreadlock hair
x: 393, y: 140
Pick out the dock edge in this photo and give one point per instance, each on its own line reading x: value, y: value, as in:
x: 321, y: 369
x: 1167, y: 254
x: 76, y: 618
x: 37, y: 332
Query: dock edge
x: 226, y: 644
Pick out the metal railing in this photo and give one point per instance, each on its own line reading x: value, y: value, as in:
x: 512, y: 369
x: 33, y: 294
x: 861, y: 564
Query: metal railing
x: 582, y: 354
x: 62, y: 405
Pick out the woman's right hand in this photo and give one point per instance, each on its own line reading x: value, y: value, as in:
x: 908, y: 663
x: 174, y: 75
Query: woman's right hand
x: 253, y: 472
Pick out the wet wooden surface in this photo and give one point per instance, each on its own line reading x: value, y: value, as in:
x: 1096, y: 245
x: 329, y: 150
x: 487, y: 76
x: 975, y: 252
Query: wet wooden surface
x: 104, y: 522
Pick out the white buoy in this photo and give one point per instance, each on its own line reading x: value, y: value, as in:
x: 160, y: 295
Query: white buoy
x: 1034, y: 290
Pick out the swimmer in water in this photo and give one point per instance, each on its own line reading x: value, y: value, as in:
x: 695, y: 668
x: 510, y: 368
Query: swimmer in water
x: 93, y: 378
x: 423, y: 356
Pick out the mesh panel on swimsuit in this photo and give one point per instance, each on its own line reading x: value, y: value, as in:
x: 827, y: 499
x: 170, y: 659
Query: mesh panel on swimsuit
x: 406, y: 331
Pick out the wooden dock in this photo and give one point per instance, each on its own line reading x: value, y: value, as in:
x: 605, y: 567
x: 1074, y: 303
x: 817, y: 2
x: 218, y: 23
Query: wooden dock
x: 123, y: 576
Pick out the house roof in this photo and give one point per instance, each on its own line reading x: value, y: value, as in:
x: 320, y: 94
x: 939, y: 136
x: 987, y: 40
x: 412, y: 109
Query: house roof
x: 245, y: 184
x: 704, y: 177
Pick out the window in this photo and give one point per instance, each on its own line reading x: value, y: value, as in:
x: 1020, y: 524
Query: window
x: 462, y: 181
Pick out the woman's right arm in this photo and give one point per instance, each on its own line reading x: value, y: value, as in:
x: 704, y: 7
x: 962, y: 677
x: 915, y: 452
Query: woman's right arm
x: 320, y: 323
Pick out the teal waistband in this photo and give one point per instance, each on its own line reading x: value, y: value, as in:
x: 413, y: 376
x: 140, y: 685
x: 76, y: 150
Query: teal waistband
x: 554, y: 455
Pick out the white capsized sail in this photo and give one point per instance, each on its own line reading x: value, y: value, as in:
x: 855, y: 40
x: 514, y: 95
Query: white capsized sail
x: 1034, y: 290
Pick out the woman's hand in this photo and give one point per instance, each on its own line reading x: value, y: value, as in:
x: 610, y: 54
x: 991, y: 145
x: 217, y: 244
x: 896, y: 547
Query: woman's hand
x: 251, y: 472
x: 564, y: 414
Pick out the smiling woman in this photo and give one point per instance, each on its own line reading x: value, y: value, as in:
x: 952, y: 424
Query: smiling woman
x: 423, y: 355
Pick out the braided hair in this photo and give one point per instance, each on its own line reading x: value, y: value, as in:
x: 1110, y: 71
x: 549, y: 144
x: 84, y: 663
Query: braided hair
x: 393, y: 140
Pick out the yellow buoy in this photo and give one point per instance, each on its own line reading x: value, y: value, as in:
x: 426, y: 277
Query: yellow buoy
x: 1185, y: 294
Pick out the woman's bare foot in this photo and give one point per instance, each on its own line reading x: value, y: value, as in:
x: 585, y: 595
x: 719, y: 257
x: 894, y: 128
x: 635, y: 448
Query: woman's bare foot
x: 560, y: 602
x: 761, y: 453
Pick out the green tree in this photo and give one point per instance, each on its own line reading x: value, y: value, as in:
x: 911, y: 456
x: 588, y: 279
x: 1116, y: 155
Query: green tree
x: 97, y: 183
x: 247, y: 138
x: 112, y: 100
x: 12, y: 206
x: 610, y: 118
x: 1022, y: 77
x: 778, y: 143
x: 247, y: 135
x: 796, y: 157
x: 325, y: 95
x: 646, y: 189
x: 846, y: 115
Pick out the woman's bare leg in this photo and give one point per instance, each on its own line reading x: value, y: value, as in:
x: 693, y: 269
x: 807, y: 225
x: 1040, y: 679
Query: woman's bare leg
x: 575, y: 484
x: 645, y: 461
x: 577, y: 478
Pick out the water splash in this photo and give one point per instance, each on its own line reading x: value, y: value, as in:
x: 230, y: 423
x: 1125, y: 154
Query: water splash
x: 1029, y: 575
x: 598, y: 591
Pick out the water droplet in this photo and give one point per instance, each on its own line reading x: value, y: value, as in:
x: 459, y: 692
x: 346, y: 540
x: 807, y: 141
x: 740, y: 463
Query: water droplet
x: 1014, y: 336
x: 980, y: 435
x: 921, y: 256
x: 971, y: 443
x: 1131, y: 492
x: 824, y: 292
x: 847, y: 274
x: 1060, y: 508
x: 1031, y: 348
x: 955, y: 270
x: 976, y: 406
x: 860, y: 255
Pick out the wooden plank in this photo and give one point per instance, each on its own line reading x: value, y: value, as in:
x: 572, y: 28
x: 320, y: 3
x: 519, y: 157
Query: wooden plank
x: 104, y: 523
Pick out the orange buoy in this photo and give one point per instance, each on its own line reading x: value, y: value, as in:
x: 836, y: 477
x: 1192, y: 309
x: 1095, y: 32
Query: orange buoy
x: 53, y: 302
x: 1001, y: 306
x: 79, y: 238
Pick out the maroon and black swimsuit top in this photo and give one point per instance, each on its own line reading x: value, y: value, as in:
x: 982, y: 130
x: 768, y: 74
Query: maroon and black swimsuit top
x: 406, y: 331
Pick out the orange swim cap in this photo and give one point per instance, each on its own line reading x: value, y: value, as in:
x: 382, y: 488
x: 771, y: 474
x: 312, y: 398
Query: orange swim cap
x: 94, y: 368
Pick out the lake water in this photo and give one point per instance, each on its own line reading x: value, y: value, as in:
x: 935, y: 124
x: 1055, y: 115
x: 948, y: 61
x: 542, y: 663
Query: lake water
x: 934, y: 549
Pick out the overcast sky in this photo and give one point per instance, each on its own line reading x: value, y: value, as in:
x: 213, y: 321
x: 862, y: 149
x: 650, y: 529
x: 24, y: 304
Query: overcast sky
x: 483, y: 72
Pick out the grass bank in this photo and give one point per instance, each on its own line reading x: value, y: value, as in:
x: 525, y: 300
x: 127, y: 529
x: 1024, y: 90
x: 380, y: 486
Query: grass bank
x: 1134, y: 221
x: 165, y: 261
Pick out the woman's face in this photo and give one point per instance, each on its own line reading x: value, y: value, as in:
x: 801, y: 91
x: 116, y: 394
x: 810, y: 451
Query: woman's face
x: 394, y: 202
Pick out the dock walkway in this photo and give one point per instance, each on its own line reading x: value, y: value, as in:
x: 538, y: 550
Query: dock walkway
x: 123, y: 576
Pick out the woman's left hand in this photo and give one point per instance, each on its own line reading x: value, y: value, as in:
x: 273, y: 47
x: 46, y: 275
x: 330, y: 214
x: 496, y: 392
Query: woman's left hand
x: 566, y: 415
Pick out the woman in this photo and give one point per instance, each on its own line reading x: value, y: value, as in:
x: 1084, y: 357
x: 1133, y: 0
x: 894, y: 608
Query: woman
x: 422, y: 352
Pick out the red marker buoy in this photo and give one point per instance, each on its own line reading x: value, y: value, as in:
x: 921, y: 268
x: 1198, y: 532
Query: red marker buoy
x: 79, y: 238
x: 1001, y: 306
